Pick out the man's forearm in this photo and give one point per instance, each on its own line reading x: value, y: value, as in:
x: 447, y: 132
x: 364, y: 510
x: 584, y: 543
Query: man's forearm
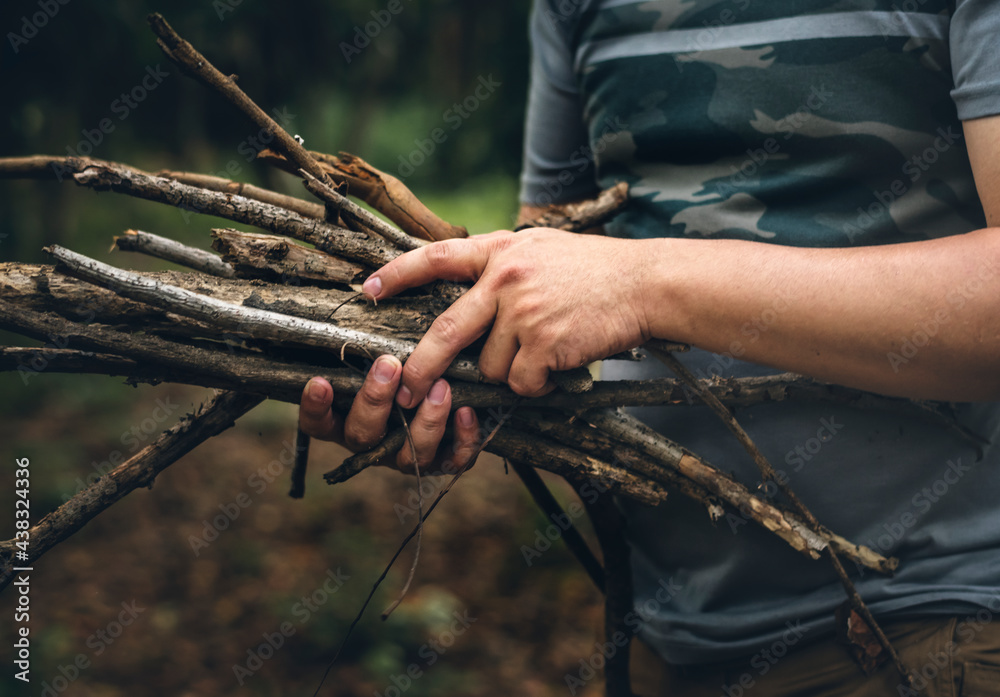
x: 920, y: 319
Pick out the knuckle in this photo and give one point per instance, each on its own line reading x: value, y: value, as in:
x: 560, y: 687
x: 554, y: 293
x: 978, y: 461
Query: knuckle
x: 448, y: 330
x: 439, y: 253
x: 433, y: 422
x: 360, y: 441
x: 405, y: 462
x: 529, y: 306
x: 415, y: 374
x: 524, y: 387
x: 309, y: 417
x: 568, y: 357
x: 372, y: 397
x: 428, y: 427
x: 514, y: 272
x: 493, y: 372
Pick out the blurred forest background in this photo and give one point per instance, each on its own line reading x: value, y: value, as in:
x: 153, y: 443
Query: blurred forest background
x: 205, y: 611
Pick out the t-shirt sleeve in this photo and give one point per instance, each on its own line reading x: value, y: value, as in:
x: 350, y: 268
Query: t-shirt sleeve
x: 974, y: 37
x: 555, y: 135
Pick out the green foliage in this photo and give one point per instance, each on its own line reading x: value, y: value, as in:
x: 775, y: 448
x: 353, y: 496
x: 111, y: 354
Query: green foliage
x: 380, y: 104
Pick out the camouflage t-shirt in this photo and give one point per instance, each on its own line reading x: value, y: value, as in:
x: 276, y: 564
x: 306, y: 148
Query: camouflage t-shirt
x: 810, y: 123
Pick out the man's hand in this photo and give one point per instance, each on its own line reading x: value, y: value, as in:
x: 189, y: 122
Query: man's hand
x: 550, y: 300
x: 365, y: 424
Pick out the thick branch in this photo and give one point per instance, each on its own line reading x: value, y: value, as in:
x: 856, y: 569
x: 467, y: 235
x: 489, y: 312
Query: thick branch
x: 584, y: 215
x: 797, y: 533
x: 41, y: 288
x: 157, y: 359
x: 352, y: 245
x: 112, y: 176
x: 261, y: 324
x: 254, y: 255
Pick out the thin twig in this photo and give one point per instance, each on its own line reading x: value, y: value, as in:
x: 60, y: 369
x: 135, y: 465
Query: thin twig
x: 228, y: 186
x: 406, y: 540
x: 171, y: 250
x: 196, y: 65
x: 353, y: 213
x: 420, y: 516
x: 361, y: 461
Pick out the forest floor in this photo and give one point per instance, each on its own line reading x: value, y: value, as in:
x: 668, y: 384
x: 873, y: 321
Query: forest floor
x: 149, y: 611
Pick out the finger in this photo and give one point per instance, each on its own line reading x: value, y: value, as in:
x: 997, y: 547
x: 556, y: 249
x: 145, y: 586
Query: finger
x: 316, y: 417
x: 427, y: 428
x: 498, y: 352
x: 452, y: 260
x: 454, y: 329
x: 467, y: 438
x: 366, y: 422
x: 529, y: 376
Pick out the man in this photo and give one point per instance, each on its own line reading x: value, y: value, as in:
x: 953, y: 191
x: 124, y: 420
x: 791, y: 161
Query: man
x: 812, y: 187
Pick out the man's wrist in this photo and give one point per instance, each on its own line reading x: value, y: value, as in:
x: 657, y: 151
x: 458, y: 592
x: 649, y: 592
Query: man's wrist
x: 669, y: 267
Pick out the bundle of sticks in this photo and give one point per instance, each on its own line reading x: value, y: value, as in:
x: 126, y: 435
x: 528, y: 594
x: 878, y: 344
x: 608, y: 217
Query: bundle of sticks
x: 269, y: 311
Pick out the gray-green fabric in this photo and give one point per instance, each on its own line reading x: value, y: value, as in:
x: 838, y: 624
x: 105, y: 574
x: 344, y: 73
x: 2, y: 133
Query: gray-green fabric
x: 809, y: 123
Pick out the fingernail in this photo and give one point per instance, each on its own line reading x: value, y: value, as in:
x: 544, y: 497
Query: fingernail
x: 315, y: 390
x: 384, y: 370
x: 438, y: 391
x: 404, y: 396
x: 465, y: 417
x: 372, y: 287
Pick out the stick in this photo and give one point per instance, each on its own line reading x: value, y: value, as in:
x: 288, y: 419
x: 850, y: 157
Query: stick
x: 41, y: 288
x: 253, y: 322
x: 582, y: 216
x: 383, y: 192
x: 258, y: 373
x: 553, y: 511
x: 304, y: 208
x: 359, y: 462
x: 572, y: 464
x: 272, y: 257
x: 796, y: 532
x: 768, y: 474
x: 298, y: 488
x: 171, y: 250
x: 609, y: 525
x: 197, y: 66
x: 168, y: 361
x: 352, y: 245
x: 357, y: 217
x: 140, y: 470
x: 283, y: 380
x: 101, y: 175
